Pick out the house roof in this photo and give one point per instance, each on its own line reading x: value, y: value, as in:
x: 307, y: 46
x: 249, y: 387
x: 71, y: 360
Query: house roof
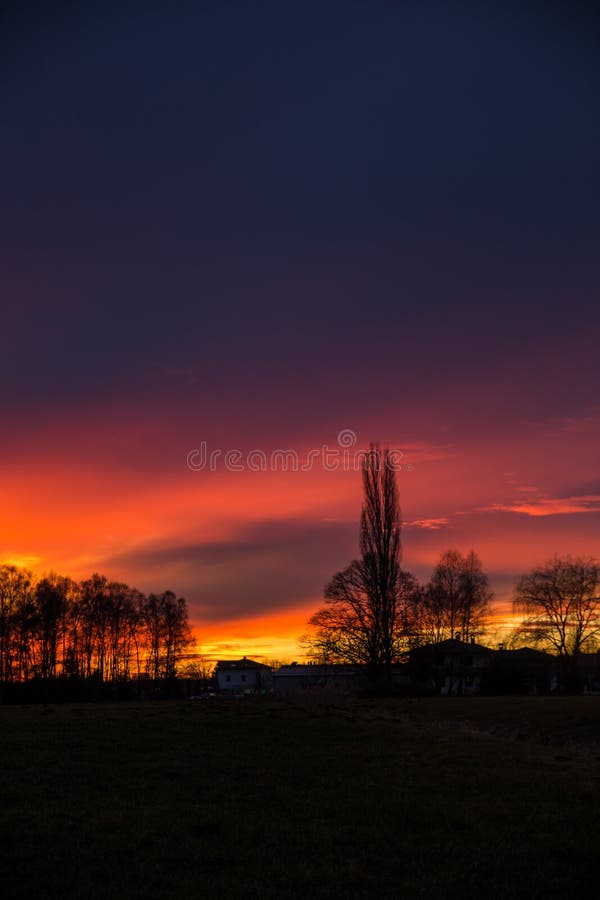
x: 452, y: 645
x: 329, y: 670
x: 317, y: 669
x: 238, y: 664
x: 529, y: 653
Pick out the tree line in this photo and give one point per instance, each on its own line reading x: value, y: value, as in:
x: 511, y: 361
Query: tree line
x: 375, y: 611
x: 56, y: 627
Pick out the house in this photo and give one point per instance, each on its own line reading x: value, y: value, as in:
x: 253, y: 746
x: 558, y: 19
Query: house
x: 293, y: 678
x: 521, y: 671
x: 451, y: 668
x: 341, y: 676
x: 243, y: 676
x: 587, y: 668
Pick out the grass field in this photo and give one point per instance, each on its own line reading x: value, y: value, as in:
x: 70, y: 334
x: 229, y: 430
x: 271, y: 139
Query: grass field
x: 256, y: 798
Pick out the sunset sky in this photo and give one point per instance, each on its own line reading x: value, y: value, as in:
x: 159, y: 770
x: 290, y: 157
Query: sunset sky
x: 260, y: 225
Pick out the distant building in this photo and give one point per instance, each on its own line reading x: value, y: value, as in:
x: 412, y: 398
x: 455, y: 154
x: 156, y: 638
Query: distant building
x: 522, y: 671
x: 587, y: 669
x: 451, y: 668
x: 243, y: 676
x: 294, y: 678
x: 341, y: 676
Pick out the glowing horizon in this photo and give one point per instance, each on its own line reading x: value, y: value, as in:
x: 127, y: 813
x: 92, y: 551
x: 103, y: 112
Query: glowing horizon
x: 259, y: 546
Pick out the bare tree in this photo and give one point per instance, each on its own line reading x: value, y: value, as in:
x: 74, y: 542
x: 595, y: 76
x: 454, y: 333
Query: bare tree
x: 50, y: 604
x: 561, y: 600
x: 200, y: 668
x: 15, y: 594
x: 362, y: 620
x: 455, y: 602
x: 95, y: 630
x: 167, y: 632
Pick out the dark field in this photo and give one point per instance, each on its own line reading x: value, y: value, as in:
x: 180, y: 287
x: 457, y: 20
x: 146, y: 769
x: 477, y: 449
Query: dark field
x: 495, y: 797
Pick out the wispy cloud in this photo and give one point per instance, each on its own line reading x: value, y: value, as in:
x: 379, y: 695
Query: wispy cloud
x: 550, y: 506
x: 433, y: 524
x: 24, y: 560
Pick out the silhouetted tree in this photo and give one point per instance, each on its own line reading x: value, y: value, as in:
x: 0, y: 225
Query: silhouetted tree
x: 167, y: 632
x: 362, y: 620
x: 455, y: 602
x: 201, y: 669
x: 561, y: 600
x: 123, y: 623
x: 15, y: 593
x: 50, y: 608
x: 23, y: 640
x: 94, y: 629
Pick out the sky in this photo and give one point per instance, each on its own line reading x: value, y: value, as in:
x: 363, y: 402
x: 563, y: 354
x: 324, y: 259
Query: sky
x: 260, y: 227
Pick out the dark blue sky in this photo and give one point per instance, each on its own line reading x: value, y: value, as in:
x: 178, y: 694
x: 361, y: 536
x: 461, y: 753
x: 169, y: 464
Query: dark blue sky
x: 264, y: 183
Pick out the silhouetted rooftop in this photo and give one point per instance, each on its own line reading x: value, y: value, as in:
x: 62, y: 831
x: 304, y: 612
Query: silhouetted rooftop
x: 452, y: 645
x: 243, y: 663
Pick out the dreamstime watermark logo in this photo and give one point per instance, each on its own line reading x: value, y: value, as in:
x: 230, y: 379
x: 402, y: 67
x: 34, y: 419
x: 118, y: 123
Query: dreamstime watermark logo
x: 345, y: 457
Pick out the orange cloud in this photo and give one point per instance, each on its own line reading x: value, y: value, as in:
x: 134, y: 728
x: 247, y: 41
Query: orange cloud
x: 551, y: 506
x: 433, y: 524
